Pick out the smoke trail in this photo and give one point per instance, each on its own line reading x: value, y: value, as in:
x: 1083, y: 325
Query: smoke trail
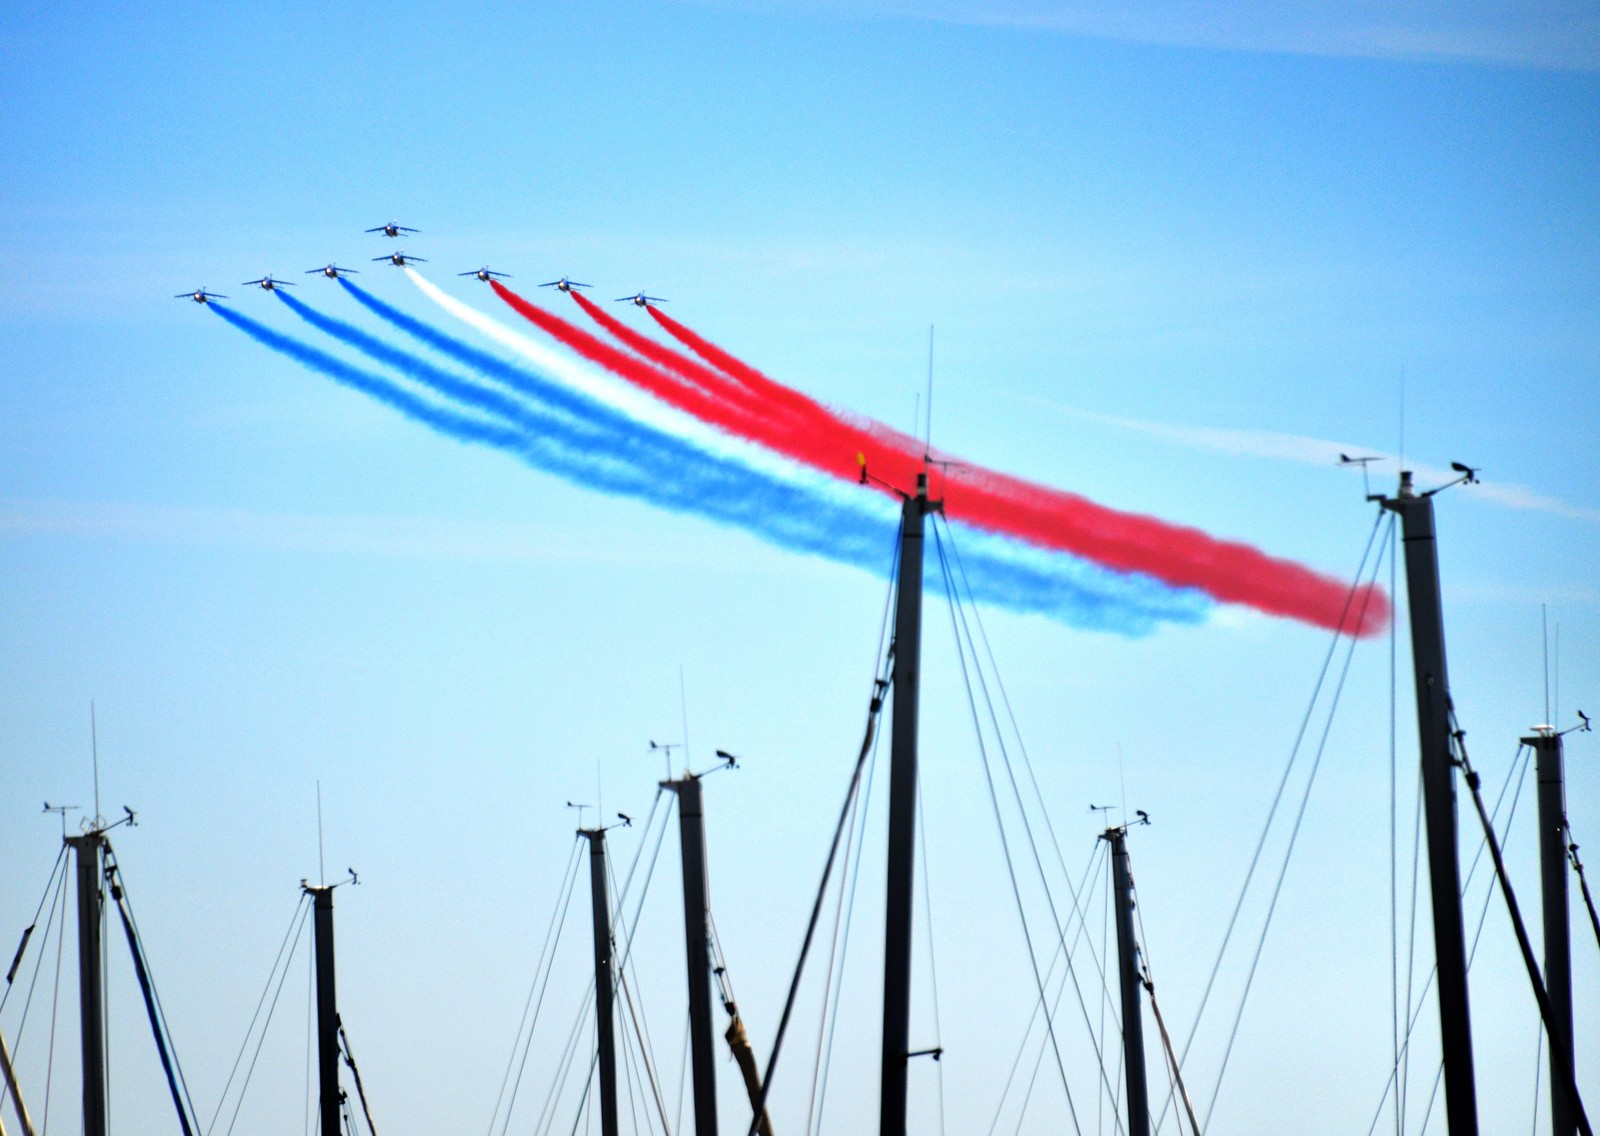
x: 808, y: 514
x: 711, y: 382
x: 646, y: 376
x: 551, y: 394
x: 511, y: 410
x: 460, y: 426
x: 1229, y: 571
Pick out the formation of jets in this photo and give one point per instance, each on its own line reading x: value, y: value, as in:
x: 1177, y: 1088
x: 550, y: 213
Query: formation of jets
x: 393, y: 229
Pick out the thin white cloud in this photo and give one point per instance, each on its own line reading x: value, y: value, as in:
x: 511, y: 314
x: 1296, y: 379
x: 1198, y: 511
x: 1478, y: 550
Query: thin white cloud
x: 1321, y: 451
x: 1561, y: 34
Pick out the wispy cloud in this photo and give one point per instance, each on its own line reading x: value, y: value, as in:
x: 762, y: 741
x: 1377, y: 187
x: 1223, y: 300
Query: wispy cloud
x: 1563, y: 34
x: 1321, y: 451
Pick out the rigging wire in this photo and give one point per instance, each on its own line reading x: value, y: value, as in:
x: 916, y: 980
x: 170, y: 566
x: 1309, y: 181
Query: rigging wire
x: 874, y: 709
x: 27, y: 933
x: 933, y: 964
x: 952, y: 597
x: 1089, y: 874
x: 853, y: 858
x: 544, y: 963
x: 55, y: 1008
x: 1294, y: 833
x: 261, y: 1037
x: 960, y: 608
x: 188, y: 1116
x: 1583, y: 880
x: 361, y: 1092
x: 1022, y: 746
x: 294, y: 923
x: 1277, y: 798
x: 1415, y: 1011
x: 854, y: 872
x: 1559, y: 1062
x: 56, y: 902
x: 844, y: 909
x: 1147, y: 979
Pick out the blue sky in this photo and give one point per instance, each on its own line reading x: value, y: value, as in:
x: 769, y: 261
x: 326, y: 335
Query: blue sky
x: 1155, y: 246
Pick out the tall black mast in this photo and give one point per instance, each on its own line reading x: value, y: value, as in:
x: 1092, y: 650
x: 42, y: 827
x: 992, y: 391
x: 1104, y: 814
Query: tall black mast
x: 88, y: 850
x: 1547, y: 750
x: 902, y: 815
x: 604, y: 995
x: 1128, y: 969
x: 1438, y: 800
x: 697, y: 951
x: 328, y: 1096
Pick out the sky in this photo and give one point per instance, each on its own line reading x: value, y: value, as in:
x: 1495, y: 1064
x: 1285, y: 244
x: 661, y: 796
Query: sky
x: 1177, y: 258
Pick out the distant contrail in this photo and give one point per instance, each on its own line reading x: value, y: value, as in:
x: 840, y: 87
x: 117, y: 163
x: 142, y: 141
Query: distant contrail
x: 1229, y: 571
x: 1320, y: 451
x: 805, y: 513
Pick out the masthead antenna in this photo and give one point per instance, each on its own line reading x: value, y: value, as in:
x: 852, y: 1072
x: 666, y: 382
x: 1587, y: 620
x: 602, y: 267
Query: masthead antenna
x: 94, y: 750
x: 322, y: 871
x: 927, y: 432
x: 683, y: 713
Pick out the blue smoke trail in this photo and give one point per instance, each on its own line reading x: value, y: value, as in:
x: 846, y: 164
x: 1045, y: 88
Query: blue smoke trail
x: 646, y: 464
x: 460, y: 426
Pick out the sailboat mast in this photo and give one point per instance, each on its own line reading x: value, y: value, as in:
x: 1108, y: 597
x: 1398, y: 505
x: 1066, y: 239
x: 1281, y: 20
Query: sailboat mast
x: 87, y: 850
x: 902, y: 815
x: 697, y: 951
x: 327, y: 1009
x: 604, y: 994
x: 1128, y: 970
x: 1438, y: 800
x: 1548, y: 767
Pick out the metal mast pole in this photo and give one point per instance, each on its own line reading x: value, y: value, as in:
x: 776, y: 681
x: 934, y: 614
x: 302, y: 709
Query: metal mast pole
x: 902, y: 815
x: 91, y: 991
x: 1439, y: 801
x: 1557, y: 943
x: 697, y: 951
x: 604, y: 995
x: 328, y: 1096
x: 1128, y: 960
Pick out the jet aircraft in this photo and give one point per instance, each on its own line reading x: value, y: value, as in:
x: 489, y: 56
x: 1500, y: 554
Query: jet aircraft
x: 565, y: 285
x: 486, y: 274
x: 268, y: 284
x: 391, y: 230
x: 332, y: 271
x: 639, y: 300
x: 400, y: 259
x: 199, y: 296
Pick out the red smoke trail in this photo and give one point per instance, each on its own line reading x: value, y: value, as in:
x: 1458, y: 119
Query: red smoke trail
x: 1228, y: 571
x: 712, y: 382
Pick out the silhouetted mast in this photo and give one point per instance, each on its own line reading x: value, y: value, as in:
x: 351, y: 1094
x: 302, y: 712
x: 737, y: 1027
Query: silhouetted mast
x: 1128, y: 972
x: 328, y: 1095
x: 604, y: 993
x: 1547, y: 748
x: 87, y: 850
x: 902, y: 814
x: 697, y: 950
x: 1439, y: 799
